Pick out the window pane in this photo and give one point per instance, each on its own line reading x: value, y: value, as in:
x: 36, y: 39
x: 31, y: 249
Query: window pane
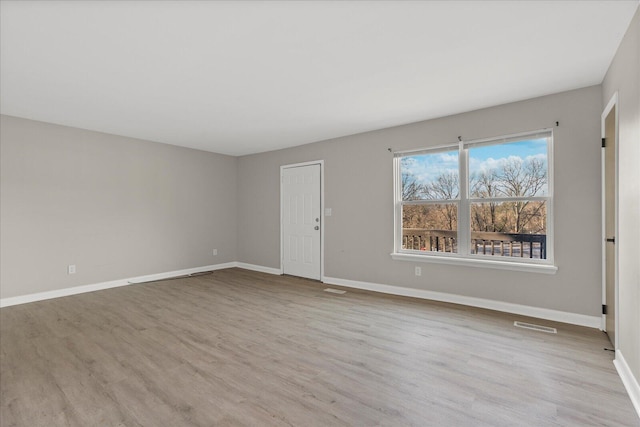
x: 431, y: 227
x: 514, y: 169
x: 432, y: 176
x: 514, y: 229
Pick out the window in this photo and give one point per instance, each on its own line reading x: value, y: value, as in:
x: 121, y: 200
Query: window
x: 485, y: 202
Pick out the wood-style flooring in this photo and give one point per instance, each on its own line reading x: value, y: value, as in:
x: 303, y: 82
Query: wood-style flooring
x: 240, y: 348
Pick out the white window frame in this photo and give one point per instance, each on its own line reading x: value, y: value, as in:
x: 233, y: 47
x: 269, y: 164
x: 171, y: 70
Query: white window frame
x: 464, y: 256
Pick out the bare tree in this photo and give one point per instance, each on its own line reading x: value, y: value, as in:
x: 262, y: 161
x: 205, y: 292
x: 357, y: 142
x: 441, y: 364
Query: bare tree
x: 445, y: 187
x: 434, y: 216
x: 519, y: 178
x: 411, y: 190
x: 484, y: 184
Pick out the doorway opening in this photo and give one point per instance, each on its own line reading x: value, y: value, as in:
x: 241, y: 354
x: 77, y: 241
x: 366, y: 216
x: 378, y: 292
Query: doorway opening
x: 610, y: 219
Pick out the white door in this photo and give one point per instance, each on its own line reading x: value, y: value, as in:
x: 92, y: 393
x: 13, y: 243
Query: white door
x: 301, y: 221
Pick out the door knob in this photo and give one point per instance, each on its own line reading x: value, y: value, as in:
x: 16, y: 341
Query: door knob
x: 316, y: 228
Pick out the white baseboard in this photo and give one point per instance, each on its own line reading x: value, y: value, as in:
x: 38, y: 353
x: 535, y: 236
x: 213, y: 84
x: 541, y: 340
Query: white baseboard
x: 630, y: 382
x: 40, y: 296
x: 160, y: 276
x: 260, y: 268
x: 524, y: 310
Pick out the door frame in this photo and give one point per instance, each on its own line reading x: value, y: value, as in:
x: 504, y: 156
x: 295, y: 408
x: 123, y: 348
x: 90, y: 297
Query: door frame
x: 613, y: 102
x: 297, y: 165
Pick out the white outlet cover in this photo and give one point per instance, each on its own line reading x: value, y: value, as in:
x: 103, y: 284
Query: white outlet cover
x: 327, y: 212
x: 71, y: 269
x: 215, y: 252
x: 418, y: 271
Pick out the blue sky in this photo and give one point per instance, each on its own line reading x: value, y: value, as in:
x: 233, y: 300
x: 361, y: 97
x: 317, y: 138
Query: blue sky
x: 427, y: 167
x: 522, y: 149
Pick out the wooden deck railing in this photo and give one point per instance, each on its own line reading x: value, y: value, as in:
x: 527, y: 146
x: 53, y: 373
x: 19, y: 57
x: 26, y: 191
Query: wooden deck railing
x: 486, y: 243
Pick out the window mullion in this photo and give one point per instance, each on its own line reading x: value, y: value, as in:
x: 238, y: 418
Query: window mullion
x: 428, y: 201
x: 464, y: 223
x: 510, y: 200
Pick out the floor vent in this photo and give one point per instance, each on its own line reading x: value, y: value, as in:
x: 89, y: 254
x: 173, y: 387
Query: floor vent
x: 335, y: 291
x: 535, y: 327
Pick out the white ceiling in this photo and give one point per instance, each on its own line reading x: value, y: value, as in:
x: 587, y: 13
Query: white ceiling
x: 247, y: 77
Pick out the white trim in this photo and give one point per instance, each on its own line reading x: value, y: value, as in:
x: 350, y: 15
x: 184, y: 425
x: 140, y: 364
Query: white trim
x: 169, y: 274
x: 613, y: 102
x: 397, y: 207
x: 630, y: 382
x: 463, y: 225
x: 322, y: 216
x: 322, y: 220
x: 40, y: 296
x: 260, y: 268
x: 550, y: 244
x: 434, y: 149
x: 535, y: 134
x: 524, y: 310
x: 528, y: 267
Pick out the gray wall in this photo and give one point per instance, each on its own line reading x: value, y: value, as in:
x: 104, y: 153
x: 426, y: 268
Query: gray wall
x: 358, y: 187
x: 624, y: 77
x: 118, y: 207
x: 114, y: 206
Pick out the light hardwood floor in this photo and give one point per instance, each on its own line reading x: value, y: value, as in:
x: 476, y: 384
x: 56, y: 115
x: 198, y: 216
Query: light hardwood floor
x: 238, y: 348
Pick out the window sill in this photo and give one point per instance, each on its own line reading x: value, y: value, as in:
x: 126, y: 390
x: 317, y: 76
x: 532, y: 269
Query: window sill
x: 483, y: 263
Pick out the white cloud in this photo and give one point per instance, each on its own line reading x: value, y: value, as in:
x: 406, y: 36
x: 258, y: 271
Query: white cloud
x: 426, y: 168
x: 476, y: 165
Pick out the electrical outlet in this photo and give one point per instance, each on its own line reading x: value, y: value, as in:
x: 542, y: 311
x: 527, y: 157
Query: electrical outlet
x: 418, y: 271
x: 71, y: 269
x: 215, y: 252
